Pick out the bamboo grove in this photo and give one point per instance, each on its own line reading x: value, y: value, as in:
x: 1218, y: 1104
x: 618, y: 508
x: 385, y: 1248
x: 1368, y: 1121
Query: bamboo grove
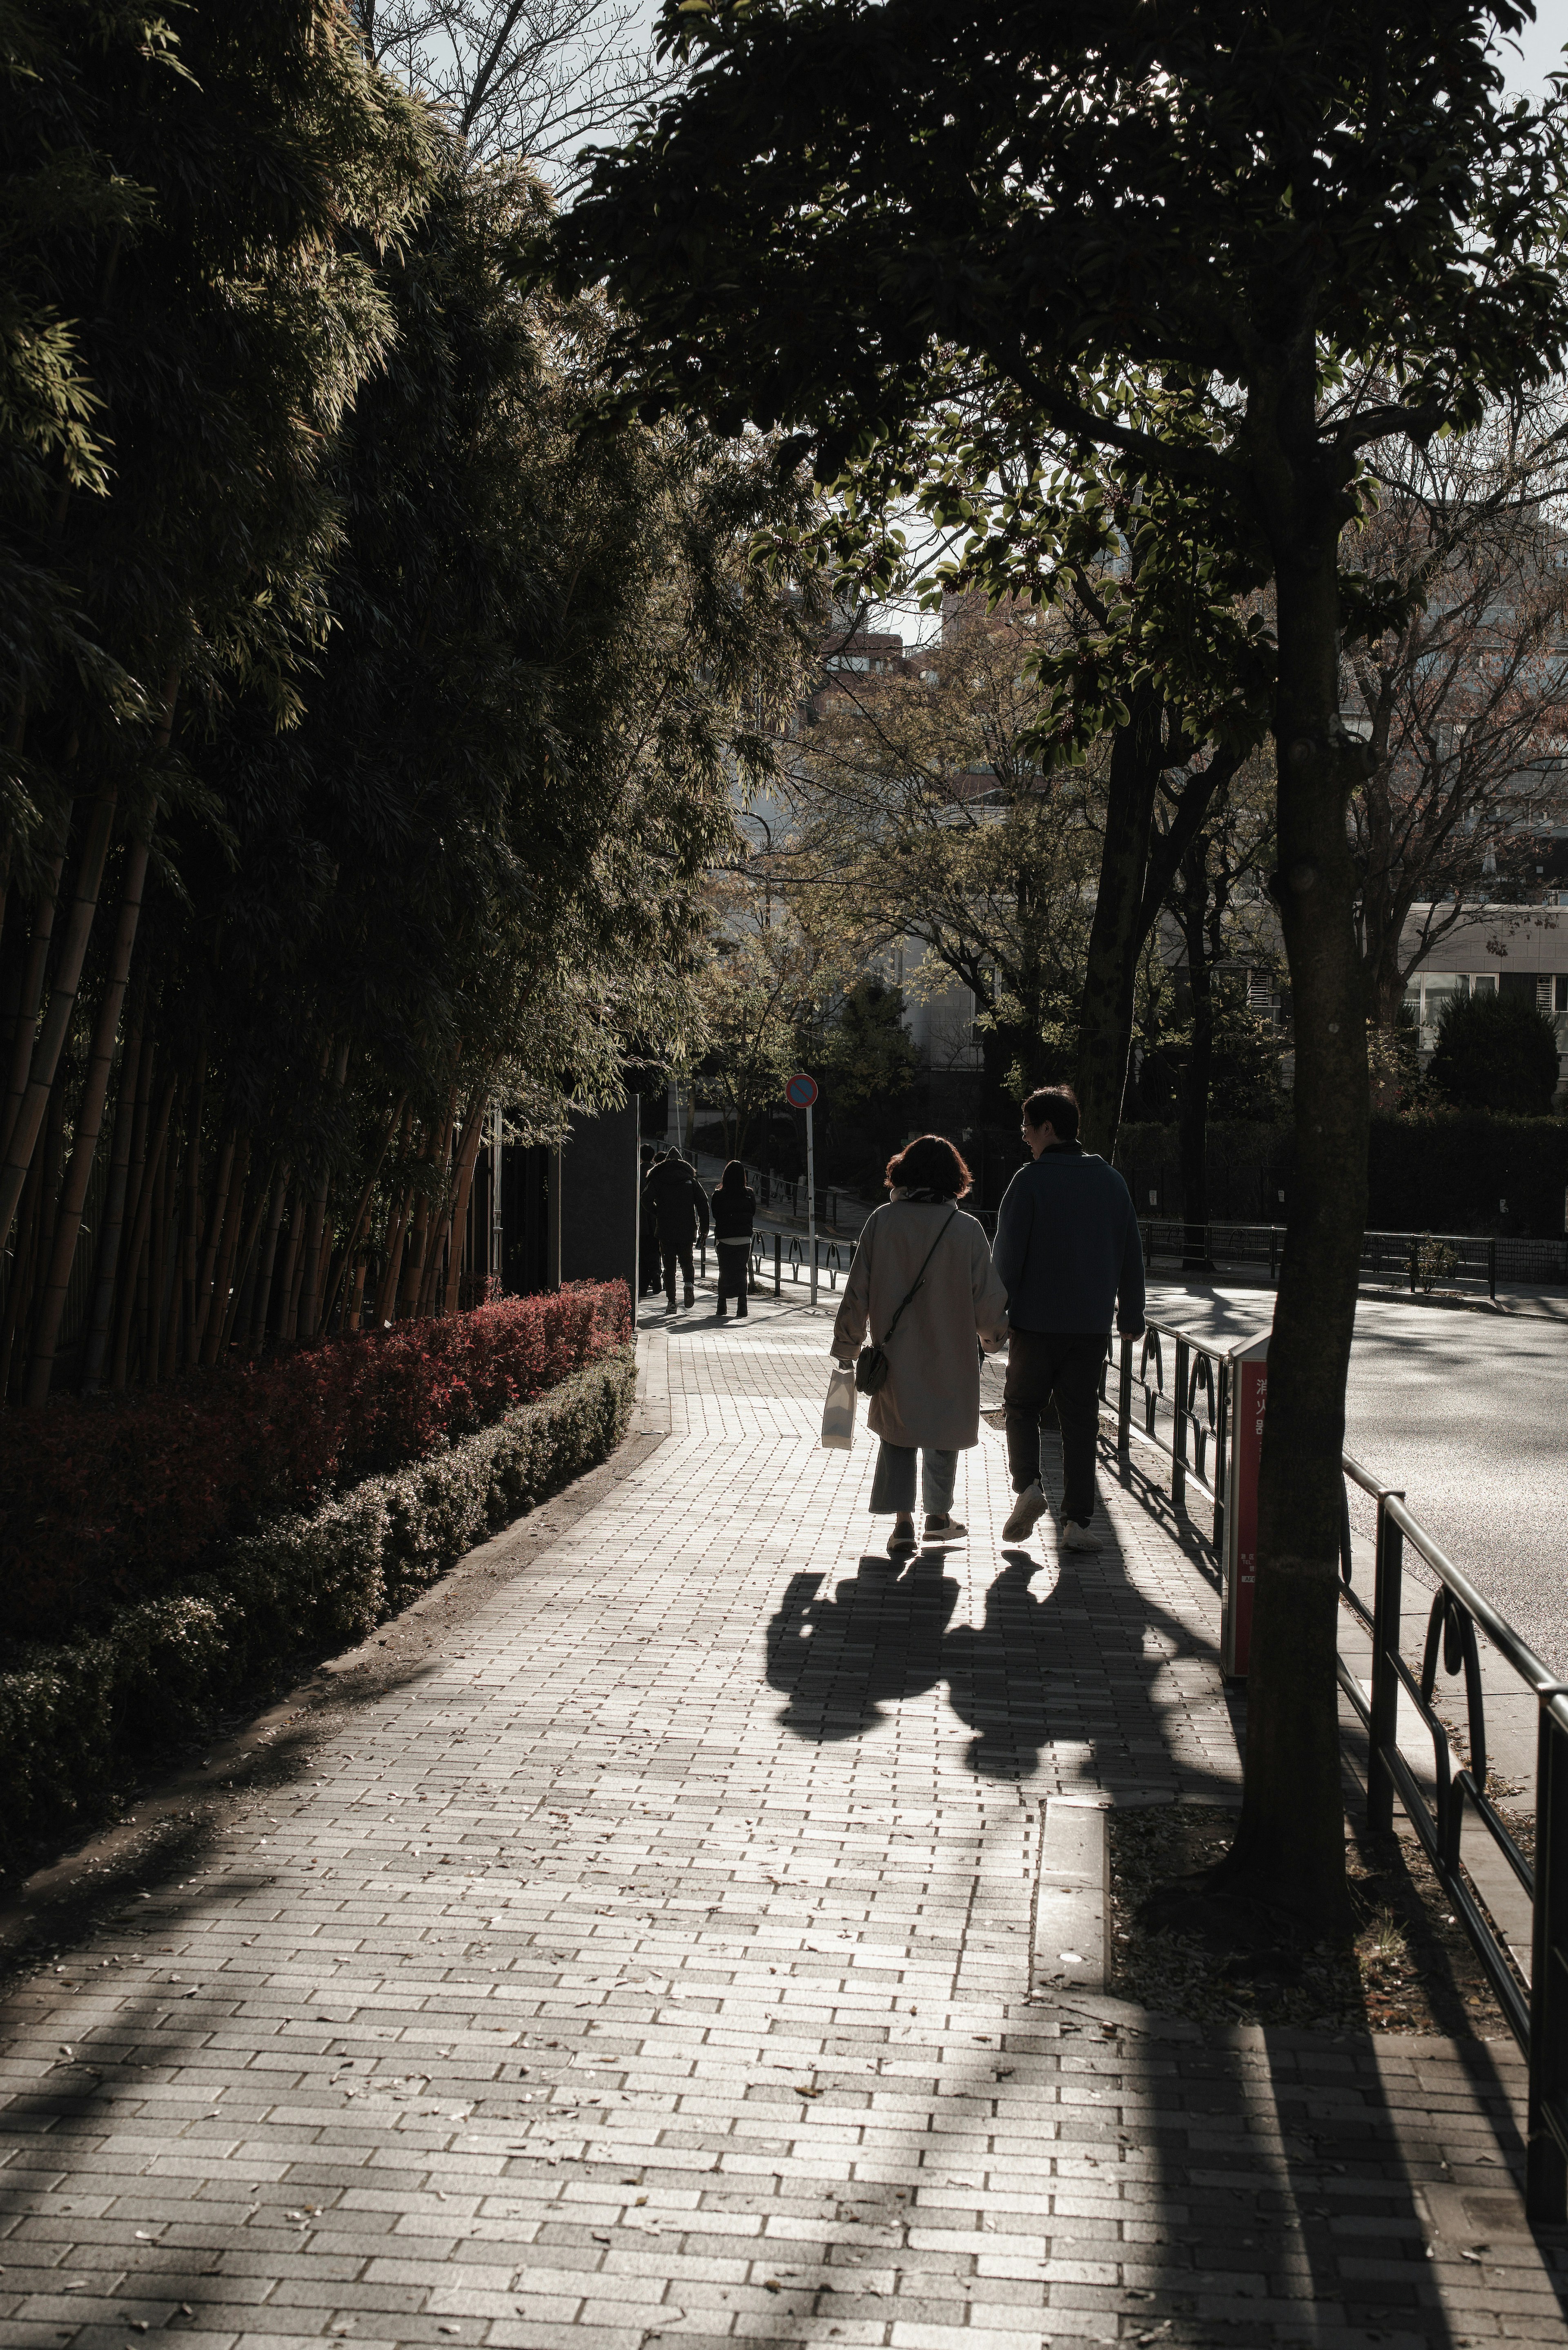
x: 369, y: 716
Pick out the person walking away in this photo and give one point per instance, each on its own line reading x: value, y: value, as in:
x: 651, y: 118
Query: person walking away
x: 922, y: 1283
x: 734, y: 1219
x: 681, y: 1206
x: 648, y: 1236
x: 1069, y: 1255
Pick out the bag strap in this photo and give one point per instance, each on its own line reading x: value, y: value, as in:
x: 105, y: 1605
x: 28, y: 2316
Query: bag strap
x: 916, y: 1283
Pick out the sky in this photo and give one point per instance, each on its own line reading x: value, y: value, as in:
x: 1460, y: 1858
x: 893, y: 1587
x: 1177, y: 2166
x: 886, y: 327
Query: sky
x: 1540, y: 48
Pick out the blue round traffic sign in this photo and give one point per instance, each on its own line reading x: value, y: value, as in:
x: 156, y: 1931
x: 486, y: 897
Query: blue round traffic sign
x: 801, y: 1092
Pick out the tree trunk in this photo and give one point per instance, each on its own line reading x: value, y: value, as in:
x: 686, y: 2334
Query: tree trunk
x: 1290, y: 1846
x: 45, y: 1059
x: 1196, y: 1076
x: 1136, y: 871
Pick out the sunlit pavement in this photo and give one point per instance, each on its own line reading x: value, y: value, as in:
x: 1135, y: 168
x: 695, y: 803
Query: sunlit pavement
x: 658, y: 1951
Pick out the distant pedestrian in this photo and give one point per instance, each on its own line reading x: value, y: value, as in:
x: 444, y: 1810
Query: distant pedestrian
x: 734, y: 1220
x: 1067, y: 1249
x: 648, y: 1230
x: 681, y: 1206
x: 922, y: 1283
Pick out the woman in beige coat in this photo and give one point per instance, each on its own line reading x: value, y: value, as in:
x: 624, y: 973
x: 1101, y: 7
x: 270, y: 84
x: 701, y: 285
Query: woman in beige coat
x: 930, y: 1400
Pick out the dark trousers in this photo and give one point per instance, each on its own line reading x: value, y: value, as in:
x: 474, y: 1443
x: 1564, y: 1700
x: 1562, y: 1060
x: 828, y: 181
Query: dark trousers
x: 734, y: 1265
x: 675, y: 1253
x: 1060, y: 1368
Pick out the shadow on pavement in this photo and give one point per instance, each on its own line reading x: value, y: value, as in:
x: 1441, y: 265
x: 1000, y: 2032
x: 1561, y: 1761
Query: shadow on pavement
x: 1076, y: 1661
x: 879, y: 1639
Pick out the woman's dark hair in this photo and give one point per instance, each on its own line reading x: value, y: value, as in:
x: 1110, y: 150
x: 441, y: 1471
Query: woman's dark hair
x: 734, y: 1178
x: 930, y: 1164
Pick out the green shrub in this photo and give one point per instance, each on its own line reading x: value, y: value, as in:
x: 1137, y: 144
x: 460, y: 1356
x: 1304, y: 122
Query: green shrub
x: 73, y: 1714
x: 1495, y: 1052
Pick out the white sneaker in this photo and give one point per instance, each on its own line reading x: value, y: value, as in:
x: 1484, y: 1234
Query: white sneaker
x: 1026, y: 1514
x: 1078, y: 1538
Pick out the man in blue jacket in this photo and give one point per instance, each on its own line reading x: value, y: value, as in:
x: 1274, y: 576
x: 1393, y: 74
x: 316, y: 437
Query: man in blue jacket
x: 1068, y: 1248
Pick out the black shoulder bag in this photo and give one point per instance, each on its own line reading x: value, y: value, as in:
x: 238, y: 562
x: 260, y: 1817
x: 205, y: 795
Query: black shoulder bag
x: 871, y: 1364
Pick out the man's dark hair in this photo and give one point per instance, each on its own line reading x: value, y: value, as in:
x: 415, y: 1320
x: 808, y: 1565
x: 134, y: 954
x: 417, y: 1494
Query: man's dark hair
x: 1058, y: 1107
x: 930, y: 1164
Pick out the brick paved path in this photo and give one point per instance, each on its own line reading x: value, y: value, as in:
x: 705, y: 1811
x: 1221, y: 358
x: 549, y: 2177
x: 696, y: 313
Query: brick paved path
x: 649, y: 1955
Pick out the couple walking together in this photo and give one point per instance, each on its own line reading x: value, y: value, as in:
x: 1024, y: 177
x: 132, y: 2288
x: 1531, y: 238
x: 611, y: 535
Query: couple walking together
x: 927, y: 1286
x: 678, y: 1211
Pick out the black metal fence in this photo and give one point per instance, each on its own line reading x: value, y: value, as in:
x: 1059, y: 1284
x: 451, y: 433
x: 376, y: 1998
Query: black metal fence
x: 1416, y: 1261
x: 1190, y: 1423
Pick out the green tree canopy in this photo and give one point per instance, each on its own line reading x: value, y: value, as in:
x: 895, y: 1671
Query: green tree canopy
x: 1316, y: 230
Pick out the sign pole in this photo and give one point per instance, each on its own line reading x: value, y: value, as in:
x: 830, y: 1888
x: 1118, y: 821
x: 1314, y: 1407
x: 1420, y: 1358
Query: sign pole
x: 811, y: 1199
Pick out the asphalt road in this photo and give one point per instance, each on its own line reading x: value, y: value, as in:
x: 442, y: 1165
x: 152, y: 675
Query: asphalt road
x: 1470, y: 1414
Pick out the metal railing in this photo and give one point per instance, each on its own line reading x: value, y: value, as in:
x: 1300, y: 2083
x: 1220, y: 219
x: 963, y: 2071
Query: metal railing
x: 1419, y: 1261
x: 1196, y: 1442
x: 792, y: 1250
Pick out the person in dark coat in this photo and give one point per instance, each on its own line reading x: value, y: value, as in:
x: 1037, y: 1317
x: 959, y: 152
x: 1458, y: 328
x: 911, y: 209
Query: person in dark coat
x: 681, y: 1206
x: 734, y: 1219
x: 648, y: 1234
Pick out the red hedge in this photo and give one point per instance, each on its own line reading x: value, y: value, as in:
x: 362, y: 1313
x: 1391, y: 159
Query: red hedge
x: 108, y: 1499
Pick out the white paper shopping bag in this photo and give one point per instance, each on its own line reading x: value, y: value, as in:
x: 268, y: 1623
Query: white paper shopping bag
x: 838, y: 1411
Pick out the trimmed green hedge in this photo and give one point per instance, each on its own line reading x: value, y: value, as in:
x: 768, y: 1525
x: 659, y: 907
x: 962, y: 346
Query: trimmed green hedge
x: 72, y: 1714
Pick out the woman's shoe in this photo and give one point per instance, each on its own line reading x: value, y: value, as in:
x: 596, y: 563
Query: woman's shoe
x: 902, y: 1537
x: 944, y: 1529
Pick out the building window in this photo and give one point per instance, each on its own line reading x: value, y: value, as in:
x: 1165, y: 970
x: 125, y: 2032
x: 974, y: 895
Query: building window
x: 1428, y: 991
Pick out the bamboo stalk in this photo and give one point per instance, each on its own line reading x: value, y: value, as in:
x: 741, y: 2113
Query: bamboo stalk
x: 316, y: 1260
x: 20, y: 1287
x: 129, y: 1141
x: 146, y: 1204
x: 215, y: 1309
x: 244, y: 1267
x: 387, y: 1287
x: 357, y: 1297
x: 363, y: 1210
x: 432, y: 1276
x: 256, y: 1336
x: 214, y: 1218
x: 44, y: 1068
x: 24, y: 1033
x: 88, y: 1126
x: 473, y: 1130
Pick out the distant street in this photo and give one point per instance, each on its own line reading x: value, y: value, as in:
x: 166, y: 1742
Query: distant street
x: 1470, y: 1414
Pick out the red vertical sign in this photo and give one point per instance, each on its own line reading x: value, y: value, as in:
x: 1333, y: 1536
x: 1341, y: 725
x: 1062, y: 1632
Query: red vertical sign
x: 1250, y: 1395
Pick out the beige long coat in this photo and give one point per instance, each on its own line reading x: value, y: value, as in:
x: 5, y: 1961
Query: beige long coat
x: 931, y: 1397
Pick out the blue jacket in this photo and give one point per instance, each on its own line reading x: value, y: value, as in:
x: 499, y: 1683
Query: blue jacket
x: 1067, y: 1245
